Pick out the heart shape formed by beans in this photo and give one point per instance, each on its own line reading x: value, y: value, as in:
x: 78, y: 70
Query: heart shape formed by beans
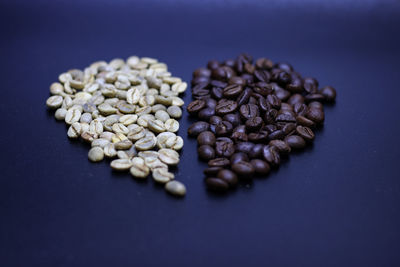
x: 251, y: 114
x: 126, y: 110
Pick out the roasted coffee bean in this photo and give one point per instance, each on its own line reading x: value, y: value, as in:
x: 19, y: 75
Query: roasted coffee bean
x: 314, y: 97
x: 243, y: 169
x: 206, y: 113
x: 278, y: 134
x: 305, y: 132
x: 315, y: 104
x: 211, y: 103
x: 195, y: 106
x: 282, y: 94
x: 283, y: 148
x: 295, y: 86
x: 218, y: 162
x: 244, y: 97
x: 274, y: 101
x: 262, y: 75
x: 224, y: 128
x: 232, y: 91
x: 228, y: 176
x: 215, y: 120
x: 300, y: 109
x: 206, y: 152
x: 289, y: 128
x: 217, y: 92
x: 212, y: 171
x: 271, y: 155
x: 295, y: 141
x: 239, y: 136
x: 310, y: 85
x: 258, y: 137
x: 217, y: 83
x: 237, y: 80
x: 260, y: 166
x: 233, y: 118
x: 304, y: 121
x: 248, y: 111
x: 206, y: 138
x: 285, y: 117
x: 286, y: 107
x: 238, y: 157
x: 329, y: 93
x: 295, y: 99
x: 224, y: 149
x: 264, y: 63
x: 270, y: 116
x: 244, y: 147
x: 212, y: 64
x: 316, y: 115
x: 204, y: 72
x: 216, y: 184
x: 196, y: 128
x: 225, y: 106
x: 256, y: 151
x: 253, y: 124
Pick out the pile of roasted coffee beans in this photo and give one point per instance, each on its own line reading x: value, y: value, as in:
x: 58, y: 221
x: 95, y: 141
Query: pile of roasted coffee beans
x: 127, y: 111
x: 251, y: 114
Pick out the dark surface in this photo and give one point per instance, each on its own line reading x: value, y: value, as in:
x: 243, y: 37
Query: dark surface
x: 336, y: 204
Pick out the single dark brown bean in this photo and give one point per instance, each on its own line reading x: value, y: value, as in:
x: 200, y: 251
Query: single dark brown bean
x: 271, y: 155
x: 200, y: 80
x: 254, y: 124
x: 263, y: 104
x: 243, y: 169
x: 198, y: 127
x: 278, y: 134
x: 301, y: 120
x: 212, y: 64
x: 248, y: 111
x: 316, y: 115
x: 262, y: 75
x: 300, y: 109
x: 244, y: 147
x: 286, y: 107
x: 295, y: 86
x: 203, y: 72
x: 244, y: 97
x: 270, y: 116
x: 238, y: 157
x: 216, y: 184
x: 258, y: 137
x: 314, y: 97
x: 237, y: 80
x: 263, y: 89
x: 228, y: 176
x: 211, y: 103
x: 225, y: 106
x: 295, y: 141
x: 218, y: 162
x: 310, y: 85
x: 264, y: 63
x: 305, y: 132
x: 256, y: 151
x: 286, y: 117
x: 261, y: 167
x: 295, y: 99
x: 315, y: 104
x: 217, y: 83
x: 206, y: 113
x: 329, y: 93
x: 289, y: 128
x: 206, y: 138
x: 224, y: 128
x: 274, y: 101
x: 283, y: 148
x: 232, y: 91
x: 233, y: 118
x: 282, y: 94
x: 217, y: 92
x: 215, y: 120
x: 206, y: 152
x: 195, y: 106
x: 224, y: 149
x: 212, y: 171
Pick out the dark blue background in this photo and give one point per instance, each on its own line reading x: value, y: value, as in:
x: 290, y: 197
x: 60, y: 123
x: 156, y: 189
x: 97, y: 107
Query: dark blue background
x: 337, y: 204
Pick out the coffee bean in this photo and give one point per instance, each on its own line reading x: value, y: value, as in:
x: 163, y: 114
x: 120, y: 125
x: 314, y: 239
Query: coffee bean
x: 283, y: 148
x: 96, y: 154
x: 175, y: 188
x: 212, y: 171
x: 228, y: 176
x: 244, y: 97
x: 295, y: 141
x: 315, y: 104
x: 271, y: 155
x: 238, y: 157
x: 301, y: 120
x: 243, y: 169
x: 316, y: 115
x: 224, y: 128
x: 218, y: 162
x: 233, y: 118
x: 248, y: 111
x: 278, y: 134
x: 196, y: 128
x: 253, y: 124
x: 225, y: 106
x: 305, y: 132
x: 216, y: 184
x: 244, y: 147
x: 256, y: 151
x: 215, y: 120
x: 329, y: 93
x: 206, y: 113
x: 206, y: 138
x: 260, y: 166
x: 224, y: 149
x: 206, y: 152
x: 232, y: 91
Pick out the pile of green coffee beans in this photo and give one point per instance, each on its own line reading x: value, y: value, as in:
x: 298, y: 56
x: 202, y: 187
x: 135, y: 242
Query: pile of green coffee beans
x: 127, y: 111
